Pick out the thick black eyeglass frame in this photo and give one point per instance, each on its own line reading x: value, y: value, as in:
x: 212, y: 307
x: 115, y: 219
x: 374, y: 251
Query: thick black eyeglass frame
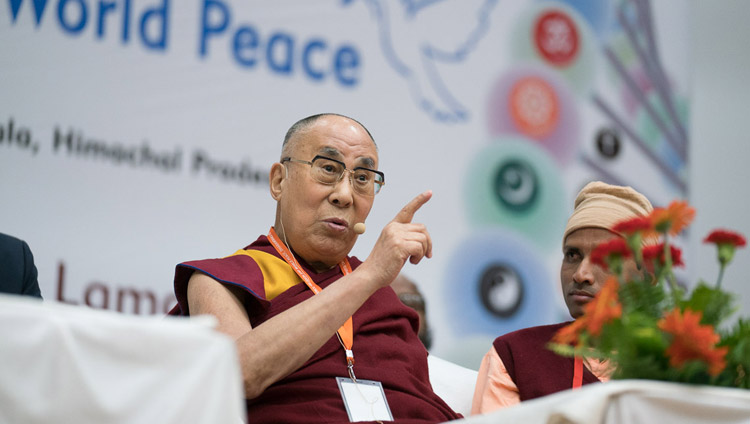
x: 381, y: 183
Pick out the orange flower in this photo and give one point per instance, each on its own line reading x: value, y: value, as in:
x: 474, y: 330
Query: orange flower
x: 605, y: 253
x: 692, y: 341
x: 672, y: 219
x: 603, y: 308
x: 570, y: 333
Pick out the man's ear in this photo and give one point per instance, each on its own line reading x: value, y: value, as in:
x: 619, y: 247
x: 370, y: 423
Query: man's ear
x: 277, y: 178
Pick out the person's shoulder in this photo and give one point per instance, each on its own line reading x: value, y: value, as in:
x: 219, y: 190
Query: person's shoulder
x: 10, y: 241
x: 225, y: 269
x: 13, y: 247
x: 239, y: 269
x: 528, y: 332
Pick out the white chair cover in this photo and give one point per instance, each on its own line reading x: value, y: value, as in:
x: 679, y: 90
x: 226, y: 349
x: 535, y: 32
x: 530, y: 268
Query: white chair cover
x: 629, y: 402
x: 62, y: 363
x: 453, y: 383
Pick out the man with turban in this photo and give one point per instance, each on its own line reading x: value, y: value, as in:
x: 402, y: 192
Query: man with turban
x: 519, y: 366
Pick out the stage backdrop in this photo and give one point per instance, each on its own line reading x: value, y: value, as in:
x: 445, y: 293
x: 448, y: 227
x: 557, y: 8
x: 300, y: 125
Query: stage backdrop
x: 136, y: 134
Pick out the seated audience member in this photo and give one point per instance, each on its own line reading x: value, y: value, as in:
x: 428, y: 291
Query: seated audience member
x: 409, y: 294
x: 18, y: 273
x: 519, y: 366
x: 307, y: 318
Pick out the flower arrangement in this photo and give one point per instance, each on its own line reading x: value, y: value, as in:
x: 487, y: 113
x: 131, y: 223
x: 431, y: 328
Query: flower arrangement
x: 648, y: 325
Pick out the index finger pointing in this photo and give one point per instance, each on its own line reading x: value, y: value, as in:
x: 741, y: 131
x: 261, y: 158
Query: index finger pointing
x: 406, y: 214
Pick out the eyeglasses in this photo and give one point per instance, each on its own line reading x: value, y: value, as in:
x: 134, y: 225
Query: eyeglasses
x: 366, y: 182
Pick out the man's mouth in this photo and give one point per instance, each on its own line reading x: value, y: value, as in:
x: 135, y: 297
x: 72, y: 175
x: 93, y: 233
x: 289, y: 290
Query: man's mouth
x: 580, y: 296
x: 337, y: 224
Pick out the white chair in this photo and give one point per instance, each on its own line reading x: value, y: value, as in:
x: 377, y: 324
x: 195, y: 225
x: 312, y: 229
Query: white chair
x: 453, y: 383
x: 62, y: 363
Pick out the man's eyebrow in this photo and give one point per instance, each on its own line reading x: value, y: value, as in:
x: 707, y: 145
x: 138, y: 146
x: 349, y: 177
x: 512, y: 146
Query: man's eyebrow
x: 333, y: 153
x: 330, y: 151
x: 367, y: 162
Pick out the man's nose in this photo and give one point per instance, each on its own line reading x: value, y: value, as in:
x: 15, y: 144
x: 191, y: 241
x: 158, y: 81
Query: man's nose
x: 585, y: 272
x: 343, y: 190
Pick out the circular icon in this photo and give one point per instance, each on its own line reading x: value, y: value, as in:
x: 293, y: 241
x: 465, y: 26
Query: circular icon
x: 516, y: 185
x: 501, y: 290
x: 556, y: 37
x: 496, y: 281
x: 608, y: 143
x: 537, y: 104
x: 534, y: 106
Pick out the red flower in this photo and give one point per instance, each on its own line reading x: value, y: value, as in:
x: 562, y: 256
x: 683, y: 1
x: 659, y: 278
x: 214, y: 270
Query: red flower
x: 692, y: 341
x: 672, y: 219
x: 725, y: 237
x: 726, y: 242
x: 656, y: 253
x: 608, y: 251
x: 603, y: 308
x: 633, y: 225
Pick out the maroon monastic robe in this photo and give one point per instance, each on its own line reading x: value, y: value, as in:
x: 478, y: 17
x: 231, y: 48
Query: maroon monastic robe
x: 536, y: 370
x: 386, y: 349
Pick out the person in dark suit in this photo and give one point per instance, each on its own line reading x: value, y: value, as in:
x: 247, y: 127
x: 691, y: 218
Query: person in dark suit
x: 18, y: 274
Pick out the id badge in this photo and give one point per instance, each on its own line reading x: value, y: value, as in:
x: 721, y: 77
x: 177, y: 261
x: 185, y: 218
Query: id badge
x: 364, y: 400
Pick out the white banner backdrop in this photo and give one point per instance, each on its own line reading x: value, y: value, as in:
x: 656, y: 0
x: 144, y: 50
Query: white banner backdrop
x: 137, y: 134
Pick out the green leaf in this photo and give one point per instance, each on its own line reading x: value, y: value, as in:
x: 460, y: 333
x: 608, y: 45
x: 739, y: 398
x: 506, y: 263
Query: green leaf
x: 717, y: 305
x: 642, y: 296
x: 737, y: 371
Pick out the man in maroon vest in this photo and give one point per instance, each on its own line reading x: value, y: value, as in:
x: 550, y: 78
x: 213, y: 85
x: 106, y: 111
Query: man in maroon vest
x: 321, y: 336
x: 519, y: 366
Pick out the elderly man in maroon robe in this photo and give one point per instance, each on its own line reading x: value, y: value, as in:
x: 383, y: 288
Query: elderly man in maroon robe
x: 321, y: 336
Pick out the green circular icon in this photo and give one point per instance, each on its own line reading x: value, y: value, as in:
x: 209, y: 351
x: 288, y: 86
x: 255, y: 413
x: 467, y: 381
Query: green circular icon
x: 514, y: 183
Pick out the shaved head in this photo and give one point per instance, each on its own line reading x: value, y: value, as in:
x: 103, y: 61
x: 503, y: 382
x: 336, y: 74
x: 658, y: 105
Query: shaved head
x: 305, y: 123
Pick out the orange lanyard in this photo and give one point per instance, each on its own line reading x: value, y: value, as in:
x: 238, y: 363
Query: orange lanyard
x: 577, y: 372
x: 346, y: 332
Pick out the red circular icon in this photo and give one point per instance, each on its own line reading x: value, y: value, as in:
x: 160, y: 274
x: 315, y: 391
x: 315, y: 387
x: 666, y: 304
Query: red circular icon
x: 556, y: 37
